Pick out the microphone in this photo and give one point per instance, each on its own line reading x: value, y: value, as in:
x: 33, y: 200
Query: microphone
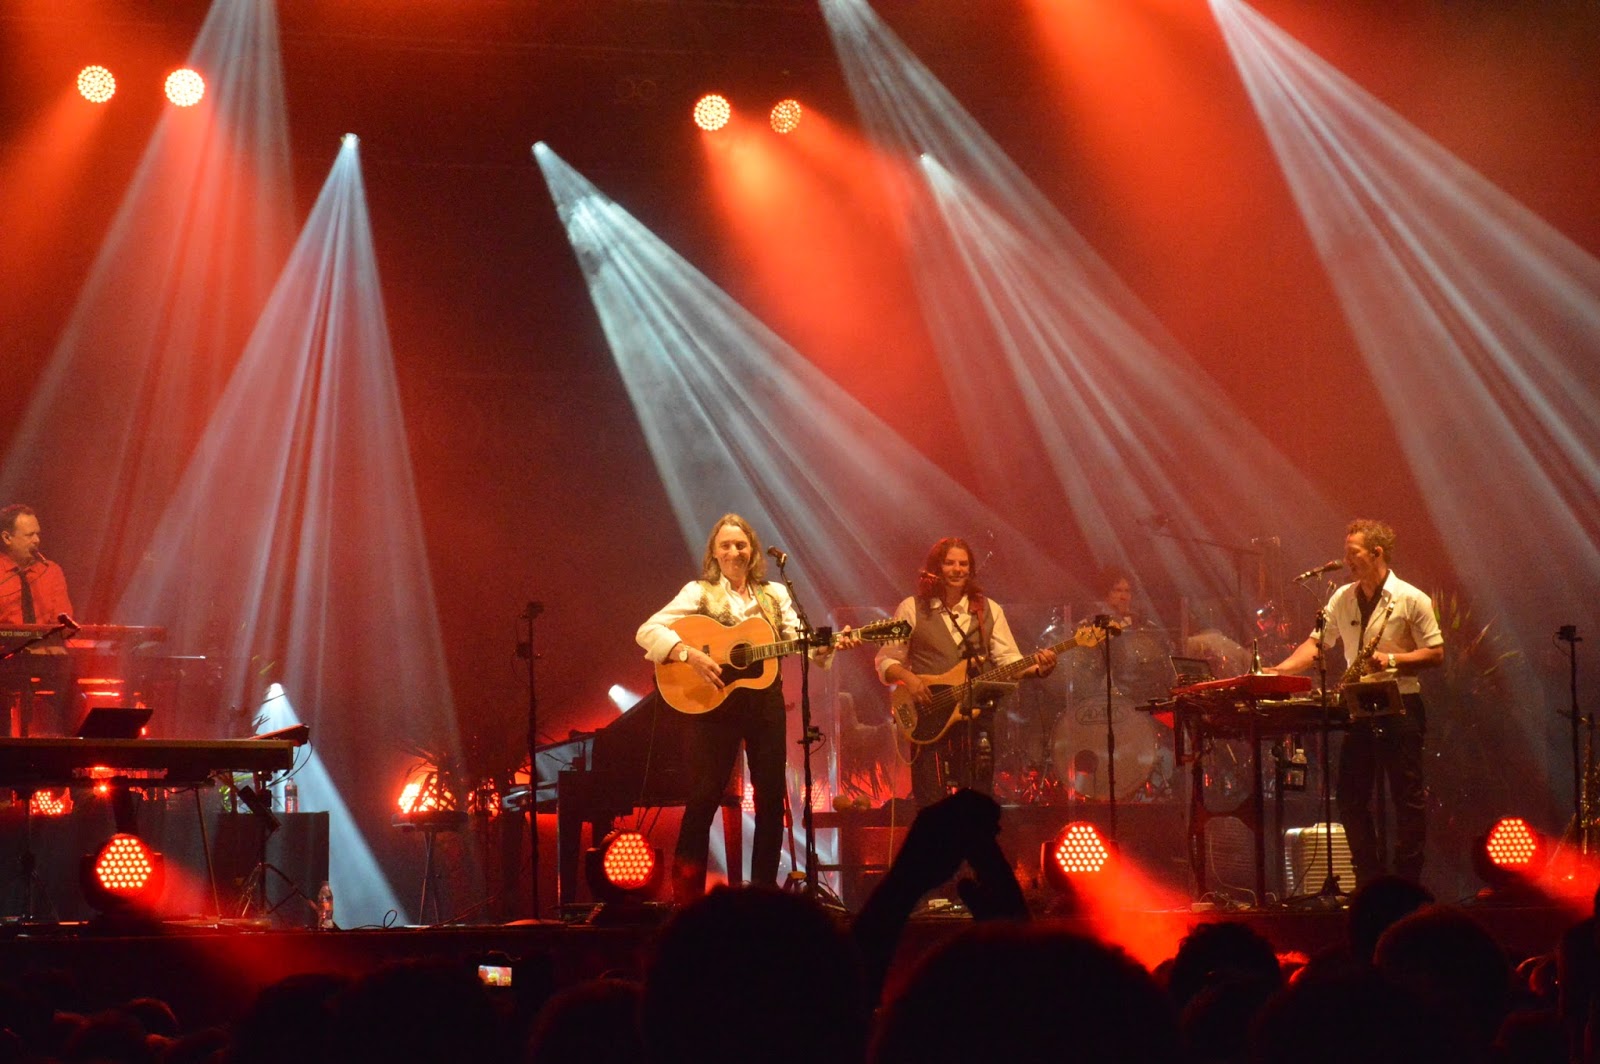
x: 1326, y: 567
x: 66, y: 619
x: 779, y: 556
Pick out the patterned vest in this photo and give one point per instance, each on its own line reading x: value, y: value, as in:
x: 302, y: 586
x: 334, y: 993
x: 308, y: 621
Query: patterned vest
x: 717, y: 604
x: 933, y: 650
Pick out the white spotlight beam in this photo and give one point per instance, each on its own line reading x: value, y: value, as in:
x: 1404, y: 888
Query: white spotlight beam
x: 735, y: 418
x: 1479, y: 323
x: 1129, y: 424
x: 180, y: 276
x: 315, y: 558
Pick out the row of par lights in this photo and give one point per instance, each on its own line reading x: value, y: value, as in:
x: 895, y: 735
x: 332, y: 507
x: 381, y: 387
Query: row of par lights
x: 713, y: 111
x: 184, y: 87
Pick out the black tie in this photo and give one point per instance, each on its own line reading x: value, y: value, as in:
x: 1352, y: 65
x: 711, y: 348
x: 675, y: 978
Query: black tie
x: 27, y: 597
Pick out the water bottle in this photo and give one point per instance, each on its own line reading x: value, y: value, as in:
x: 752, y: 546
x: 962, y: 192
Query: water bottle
x: 291, y: 796
x: 325, y: 907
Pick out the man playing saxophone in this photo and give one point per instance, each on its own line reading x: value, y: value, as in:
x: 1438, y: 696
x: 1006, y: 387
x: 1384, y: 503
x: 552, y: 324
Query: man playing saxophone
x: 1385, y: 625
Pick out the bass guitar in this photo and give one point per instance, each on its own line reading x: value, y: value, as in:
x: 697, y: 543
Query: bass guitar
x: 748, y: 654
x: 955, y: 692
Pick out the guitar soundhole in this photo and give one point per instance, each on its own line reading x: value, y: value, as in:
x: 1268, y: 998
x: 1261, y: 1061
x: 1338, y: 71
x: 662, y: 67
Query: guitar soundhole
x: 739, y: 666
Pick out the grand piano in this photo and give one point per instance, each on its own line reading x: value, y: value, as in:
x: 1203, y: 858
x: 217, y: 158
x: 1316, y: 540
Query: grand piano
x: 637, y: 761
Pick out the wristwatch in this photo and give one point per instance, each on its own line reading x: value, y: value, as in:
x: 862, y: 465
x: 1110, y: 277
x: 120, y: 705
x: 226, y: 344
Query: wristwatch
x: 683, y: 654
x: 1391, y: 661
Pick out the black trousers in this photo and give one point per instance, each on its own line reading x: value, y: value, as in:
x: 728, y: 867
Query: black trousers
x: 754, y: 718
x: 963, y: 758
x: 1387, y: 749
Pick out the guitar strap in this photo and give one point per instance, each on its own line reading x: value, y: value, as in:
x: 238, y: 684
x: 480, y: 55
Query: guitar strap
x: 981, y: 653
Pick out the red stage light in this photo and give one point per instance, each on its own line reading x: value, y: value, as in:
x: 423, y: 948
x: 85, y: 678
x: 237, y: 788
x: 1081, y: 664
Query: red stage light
x: 786, y: 116
x: 628, y: 861
x: 1512, y: 843
x: 185, y: 87
x: 50, y: 803
x: 125, y: 874
x: 1078, y: 849
x: 96, y: 84
x: 712, y: 112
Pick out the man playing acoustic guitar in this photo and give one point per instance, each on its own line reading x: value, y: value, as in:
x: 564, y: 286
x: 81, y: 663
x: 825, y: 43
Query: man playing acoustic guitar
x: 953, y: 623
x: 732, y: 588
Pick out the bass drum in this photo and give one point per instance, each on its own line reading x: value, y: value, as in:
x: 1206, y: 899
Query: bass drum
x: 1078, y: 747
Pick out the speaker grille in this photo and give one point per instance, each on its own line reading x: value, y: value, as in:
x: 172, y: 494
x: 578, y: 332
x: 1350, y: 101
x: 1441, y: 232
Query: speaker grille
x: 1305, y: 864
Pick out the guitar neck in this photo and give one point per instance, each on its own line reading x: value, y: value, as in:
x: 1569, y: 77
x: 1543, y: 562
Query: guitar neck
x: 776, y: 650
x: 1007, y: 673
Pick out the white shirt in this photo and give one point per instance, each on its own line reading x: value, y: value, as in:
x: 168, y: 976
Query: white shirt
x: 657, y: 637
x: 1411, y: 625
x: 1002, y: 647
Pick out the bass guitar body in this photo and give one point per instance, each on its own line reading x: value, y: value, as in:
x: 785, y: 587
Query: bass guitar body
x: 927, y: 725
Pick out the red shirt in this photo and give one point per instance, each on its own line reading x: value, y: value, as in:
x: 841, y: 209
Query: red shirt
x: 46, y: 582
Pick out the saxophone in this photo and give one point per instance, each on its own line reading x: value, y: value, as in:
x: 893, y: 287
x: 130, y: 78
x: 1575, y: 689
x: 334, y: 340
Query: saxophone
x: 1358, y: 664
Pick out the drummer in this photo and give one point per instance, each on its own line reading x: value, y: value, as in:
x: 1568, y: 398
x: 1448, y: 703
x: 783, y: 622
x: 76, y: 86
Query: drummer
x: 1139, y: 655
x: 1115, y: 588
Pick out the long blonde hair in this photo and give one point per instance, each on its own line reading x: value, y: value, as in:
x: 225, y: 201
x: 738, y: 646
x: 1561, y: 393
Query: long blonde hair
x: 711, y: 572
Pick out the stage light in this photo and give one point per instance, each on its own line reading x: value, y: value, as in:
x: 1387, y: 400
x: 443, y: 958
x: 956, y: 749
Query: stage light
x: 786, y: 116
x: 185, y: 87
x: 96, y: 84
x: 712, y: 112
x: 624, y: 868
x: 623, y: 698
x: 1076, y: 850
x: 124, y: 876
x: 1510, y: 855
x: 50, y: 803
x: 422, y: 793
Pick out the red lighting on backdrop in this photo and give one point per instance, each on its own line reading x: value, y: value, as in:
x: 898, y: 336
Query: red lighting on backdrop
x: 50, y: 803
x: 185, y: 87
x: 712, y: 112
x: 96, y: 84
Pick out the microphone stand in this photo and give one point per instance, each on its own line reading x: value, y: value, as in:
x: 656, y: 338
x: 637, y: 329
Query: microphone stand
x: 525, y: 650
x: 1107, y: 632
x: 809, y: 735
x: 1581, y: 799
x: 1238, y: 552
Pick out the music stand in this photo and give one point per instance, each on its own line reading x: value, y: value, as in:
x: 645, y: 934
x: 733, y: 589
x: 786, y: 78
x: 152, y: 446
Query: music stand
x: 114, y: 722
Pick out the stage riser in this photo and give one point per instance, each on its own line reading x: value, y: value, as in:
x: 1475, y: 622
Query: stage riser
x: 299, y: 849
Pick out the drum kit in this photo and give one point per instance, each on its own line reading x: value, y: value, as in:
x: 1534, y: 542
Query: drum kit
x: 1052, y: 744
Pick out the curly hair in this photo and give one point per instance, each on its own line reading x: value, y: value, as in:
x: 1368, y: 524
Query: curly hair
x: 1373, y: 534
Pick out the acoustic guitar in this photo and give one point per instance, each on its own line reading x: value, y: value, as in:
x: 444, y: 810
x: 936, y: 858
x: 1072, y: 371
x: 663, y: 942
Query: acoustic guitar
x: 955, y: 693
x: 748, y: 654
